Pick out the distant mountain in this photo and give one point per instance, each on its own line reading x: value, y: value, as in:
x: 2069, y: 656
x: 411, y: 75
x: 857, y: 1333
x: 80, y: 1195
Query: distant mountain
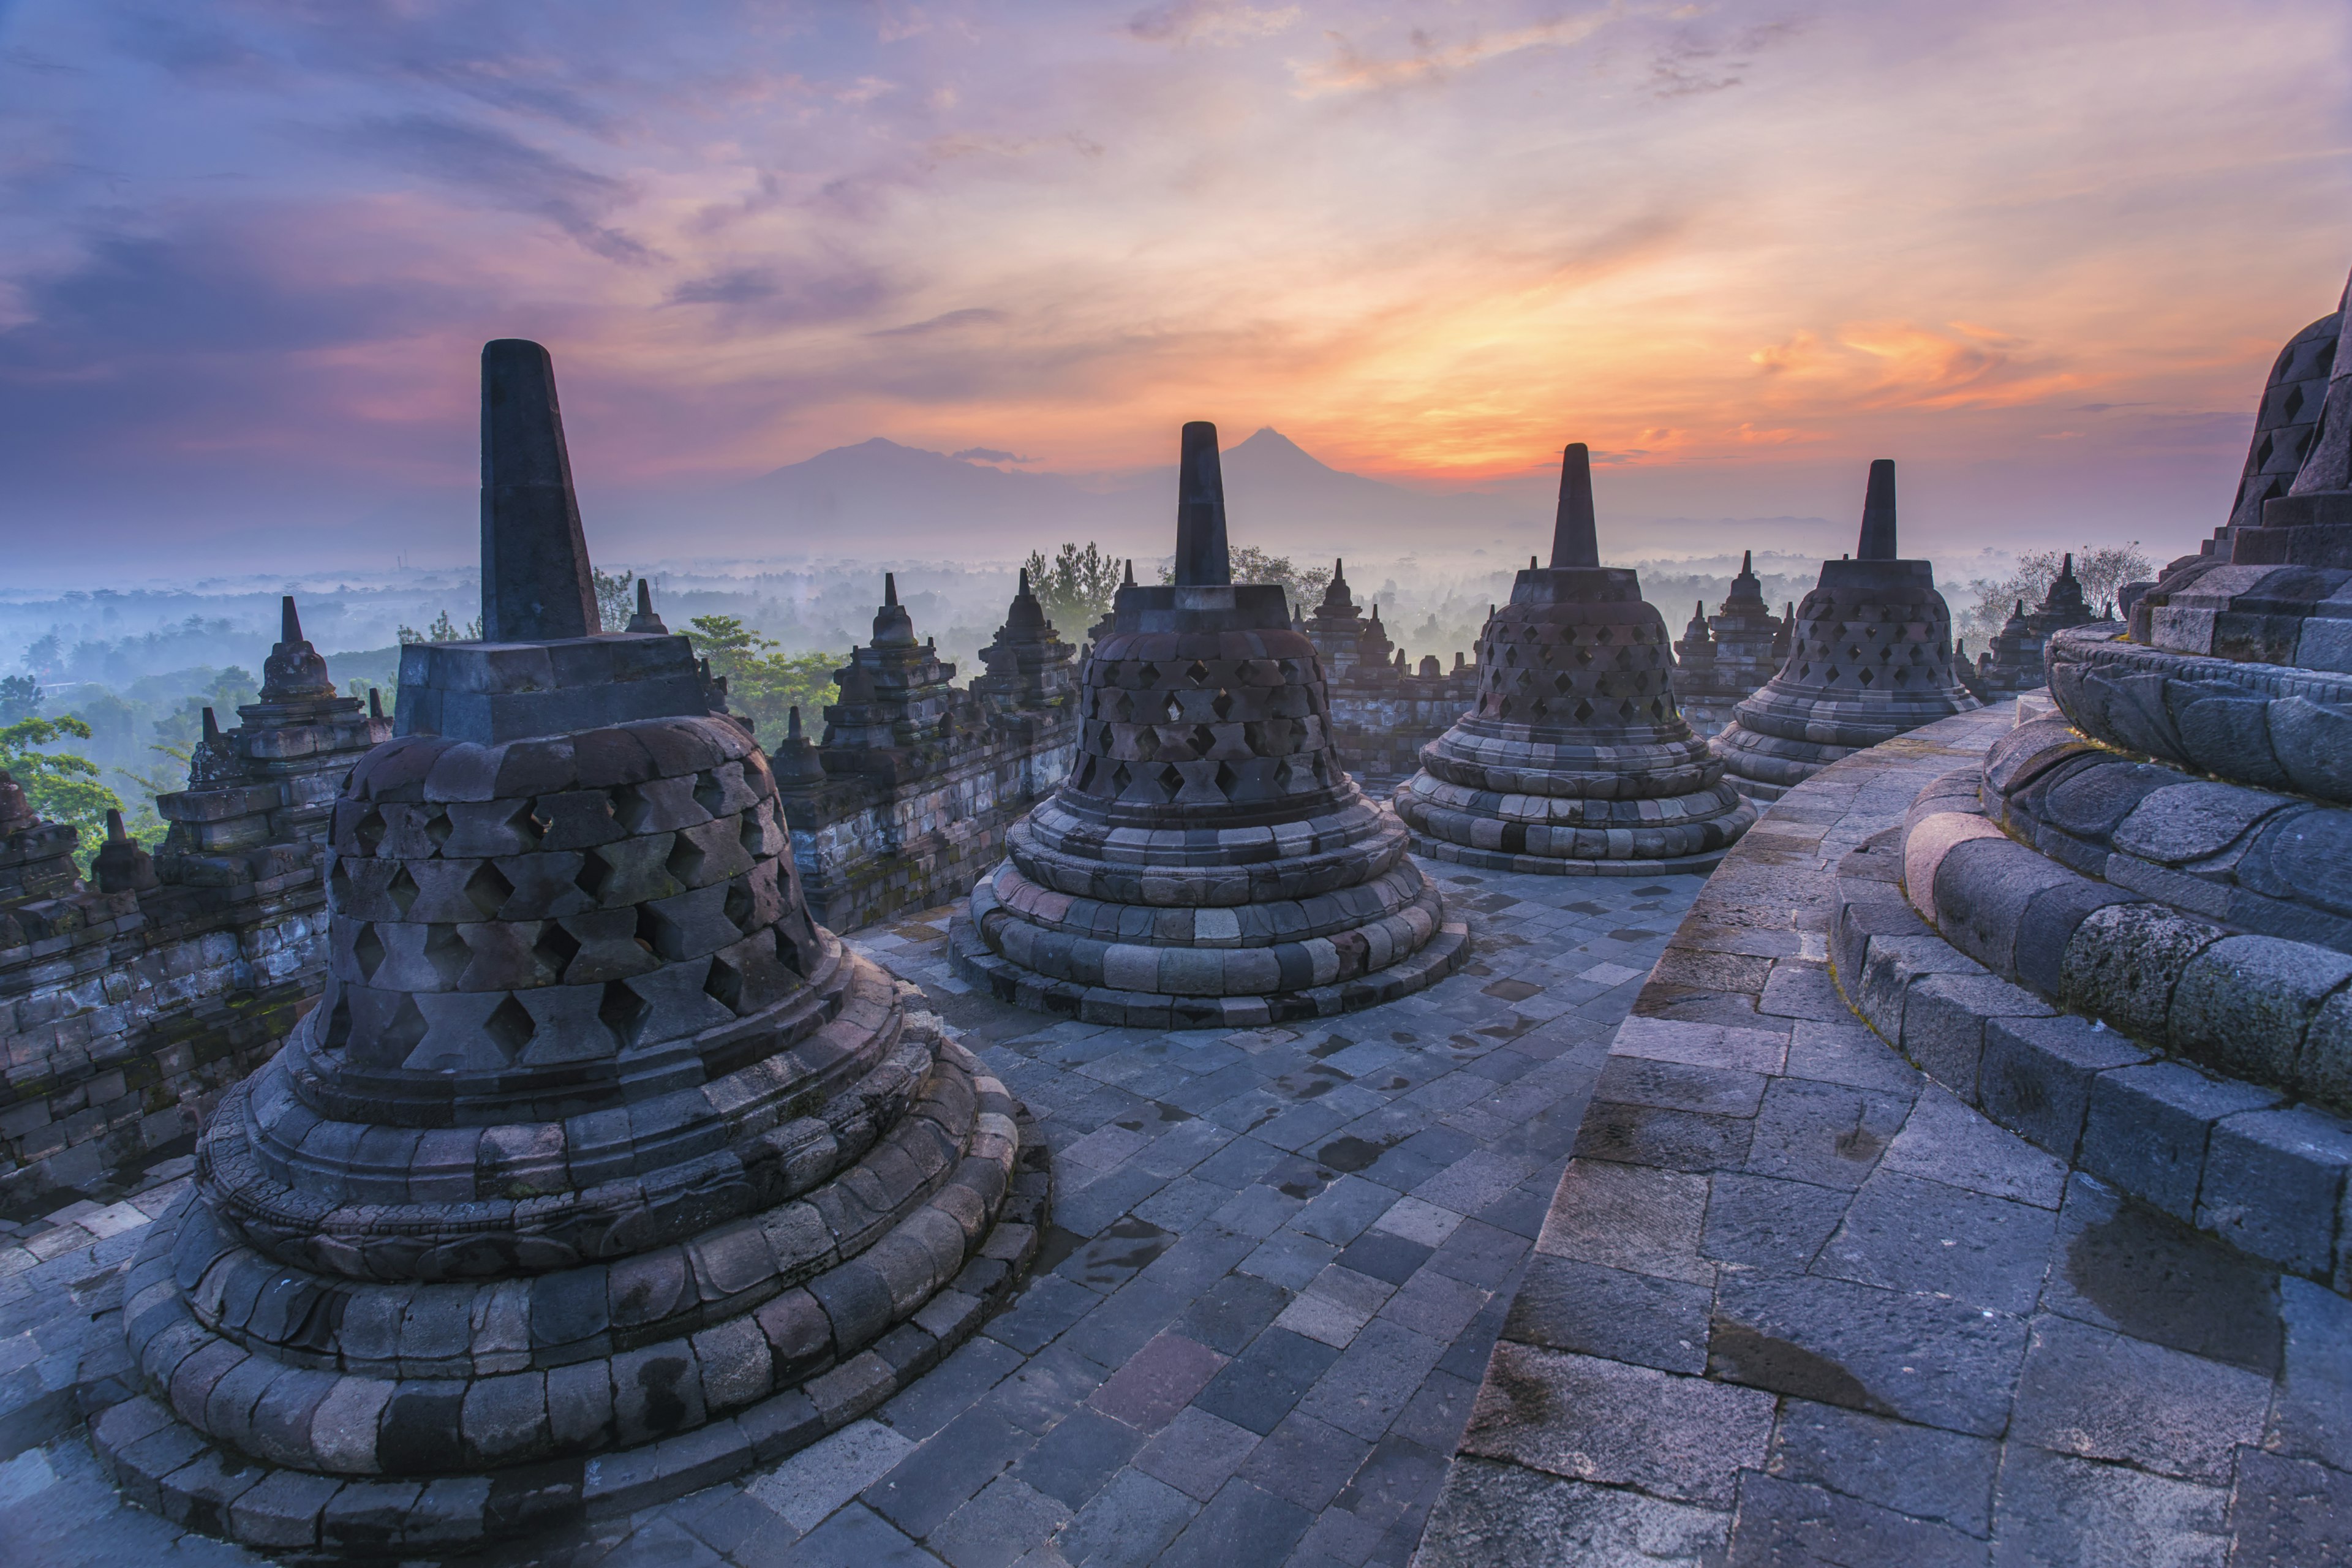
x: 880, y: 498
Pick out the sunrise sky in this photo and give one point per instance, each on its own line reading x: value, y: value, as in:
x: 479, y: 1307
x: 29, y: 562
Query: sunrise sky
x: 2042, y: 253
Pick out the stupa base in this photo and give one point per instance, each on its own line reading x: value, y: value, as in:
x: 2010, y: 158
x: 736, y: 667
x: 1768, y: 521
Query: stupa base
x: 1430, y: 848
x: 170, y: 1468
x: 1445, y: 951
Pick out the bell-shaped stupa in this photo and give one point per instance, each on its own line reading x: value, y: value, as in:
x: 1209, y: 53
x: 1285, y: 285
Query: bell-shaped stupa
x: 1574, y: 758
x: 1870, y: 657
x: 1208, y: 861
x: 599, y: 1171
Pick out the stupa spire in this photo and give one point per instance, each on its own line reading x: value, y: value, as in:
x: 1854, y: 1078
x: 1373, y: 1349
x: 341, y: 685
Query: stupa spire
x: 1574, y: 541
x: 1877, y: 543
x: 1203, y: 558
x: 535, y: 581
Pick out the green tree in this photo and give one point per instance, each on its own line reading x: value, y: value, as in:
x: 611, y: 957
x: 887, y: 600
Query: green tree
x: 616, y: 596
x: 1076, y: 587
x: 60, y: 785
x: 762, y: 684
x: 443, y: 630
x: 2103, y: 569
x: 20, y: 698
x: 1252, y: 565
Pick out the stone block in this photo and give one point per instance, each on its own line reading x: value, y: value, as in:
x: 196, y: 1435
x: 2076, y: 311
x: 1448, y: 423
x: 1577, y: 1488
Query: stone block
x: 2275, y: 1184
x: 1983, y: 890
x: 1943, y: 1022
x: 2103, y: 1396
x: 2036, y: 1075
x: 2124, y: 962
x: 1681, y: 1438
x: 2245, y: 1003
x: 2147, y: 1129
x: 1613, y: 1313
x: 2047, y: 927
x: 1924, y: 848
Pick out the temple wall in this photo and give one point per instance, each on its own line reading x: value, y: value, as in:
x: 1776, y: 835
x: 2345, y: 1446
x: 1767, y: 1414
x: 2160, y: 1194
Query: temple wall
x: 121, y: 1029
x: 867, y: 851
x: 1380, y: 730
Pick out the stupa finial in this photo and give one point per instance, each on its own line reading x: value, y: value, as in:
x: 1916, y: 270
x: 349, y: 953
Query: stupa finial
x: 1203, y: 558
x: 1574, y: 541
x: 535, y: 581
x: 1877, y: 543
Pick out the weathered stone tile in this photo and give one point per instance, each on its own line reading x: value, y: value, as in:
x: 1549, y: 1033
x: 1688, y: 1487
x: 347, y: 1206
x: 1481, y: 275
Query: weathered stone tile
x: 1783, y: 1522
x: 2289, y: 1511
x: 1947, y: 1142
x: 2124, y: 1266
x: 1629, y: 1216
x: 1921, y: 1471
x: 1765, y: 1222
x: 1887, y: 1352
x: 1492, y: 1513
x: 1829, y: 1134
x: 1680, y: 1437
x: 1907, y: 1233
x: 1564, y: 1305
x: 2055, y: 1507
x: 2098, y: 1395
x: 1760, y: 1051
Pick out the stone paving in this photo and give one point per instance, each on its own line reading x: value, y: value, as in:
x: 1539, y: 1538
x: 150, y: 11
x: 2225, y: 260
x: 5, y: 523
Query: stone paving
x: 1795, y: 1303
x: 1281, y: 1257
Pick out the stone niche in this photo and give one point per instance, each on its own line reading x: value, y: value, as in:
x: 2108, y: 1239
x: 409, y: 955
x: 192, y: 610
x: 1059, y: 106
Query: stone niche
x: 1208, y: 862
x: 601, y: 1170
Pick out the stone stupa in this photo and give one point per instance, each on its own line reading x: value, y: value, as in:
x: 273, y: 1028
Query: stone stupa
x: 1574, y: 759
x: 1208, y: 862
x: 599, y: 1171
x: 1870, y: 657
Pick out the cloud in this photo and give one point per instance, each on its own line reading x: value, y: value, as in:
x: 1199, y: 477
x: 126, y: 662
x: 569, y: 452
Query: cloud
x: 975, y: 316
x: 511, y: 172
x: 1353, y: 69
x: 1210, y: 21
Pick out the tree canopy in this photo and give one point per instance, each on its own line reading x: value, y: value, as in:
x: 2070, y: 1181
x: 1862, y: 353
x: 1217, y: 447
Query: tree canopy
x: 762, y: 684
x: 60, y: 785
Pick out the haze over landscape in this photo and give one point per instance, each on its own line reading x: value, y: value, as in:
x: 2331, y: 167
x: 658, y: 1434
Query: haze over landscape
x: 842, y: 283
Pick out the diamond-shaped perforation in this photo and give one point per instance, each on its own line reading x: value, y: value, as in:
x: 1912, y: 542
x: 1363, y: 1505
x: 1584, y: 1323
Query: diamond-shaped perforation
x: 405, y: 1030
x: 446, y: 951
x: 685, y: 861
x: 593, y: 873
x: 624, y: 1011
x: 369, y: 831
x: 510, y: 1028
x: 488, y: 889
x: 724, y: 984
x: 402, y: 891
x: 555, y: 949
x: 437, y: 827
x: 367, y: 951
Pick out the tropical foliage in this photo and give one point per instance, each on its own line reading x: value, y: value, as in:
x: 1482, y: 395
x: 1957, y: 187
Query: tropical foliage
x: 60, y: 785
x: 763, y: 684
x: 1075, y: 586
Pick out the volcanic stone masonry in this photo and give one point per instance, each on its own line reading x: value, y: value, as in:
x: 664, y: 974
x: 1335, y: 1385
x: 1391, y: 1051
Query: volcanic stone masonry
x: 1208, y: 862
x: 908, y: 800
x: 1870, y: 657
x: 2015, y: 663
x: 1575, y: 760
x: 600, y: 1171
x: 1382, y: 712
x: 127, y: 1008
x: 1723, y: 659
x: 2147, y: 897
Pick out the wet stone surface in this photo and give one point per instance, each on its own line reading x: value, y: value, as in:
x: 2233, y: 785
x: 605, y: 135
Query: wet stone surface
x: 1280, y: 1261
x: 1795, y: 1303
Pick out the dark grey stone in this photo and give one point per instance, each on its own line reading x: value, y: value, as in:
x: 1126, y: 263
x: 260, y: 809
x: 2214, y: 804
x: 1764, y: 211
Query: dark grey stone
x: 1259, y: 1387
x: 1767, y: 1223
x: 1907, y: 1233
x: 1887, y: 1352
x: 2036, y: 1074
x: 2057, y: 1508
x: 2102, y: 1395
x: 2286, y: 1512
x: 1783, y: 1522
x: 2274, y: 1185
x: 2124, y: 1266
x: 2147, y: 1129
x: 1916, y: 1470
x: 1569, y: 1306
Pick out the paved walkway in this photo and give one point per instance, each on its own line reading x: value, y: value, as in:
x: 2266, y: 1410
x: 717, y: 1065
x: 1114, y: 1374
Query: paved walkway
x: 1797, y: 1304
x: 1281, y: 1258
